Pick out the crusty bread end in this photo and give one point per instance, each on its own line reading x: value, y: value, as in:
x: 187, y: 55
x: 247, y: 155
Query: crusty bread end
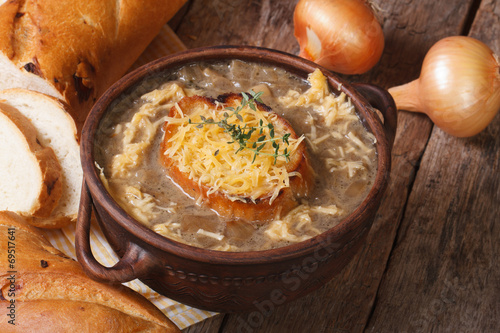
x: 53, y: 294
x: 75, y: 50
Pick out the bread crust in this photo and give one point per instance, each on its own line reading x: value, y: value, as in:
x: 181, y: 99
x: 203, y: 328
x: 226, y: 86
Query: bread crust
x: 52, y: 293
x: 78, y: 48
x: 50, y: 188
x: 259, y: 211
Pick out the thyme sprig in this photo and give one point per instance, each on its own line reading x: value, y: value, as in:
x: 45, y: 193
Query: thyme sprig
x: 241, y: 135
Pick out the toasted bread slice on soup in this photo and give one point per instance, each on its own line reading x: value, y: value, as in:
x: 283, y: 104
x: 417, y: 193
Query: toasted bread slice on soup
x: 55, y: 129
x: 254, y: 183
x: 30, y: 174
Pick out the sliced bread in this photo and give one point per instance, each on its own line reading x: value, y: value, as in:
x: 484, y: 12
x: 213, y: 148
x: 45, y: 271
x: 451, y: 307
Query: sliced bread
x: 30, y: 175
x: 55, y: 129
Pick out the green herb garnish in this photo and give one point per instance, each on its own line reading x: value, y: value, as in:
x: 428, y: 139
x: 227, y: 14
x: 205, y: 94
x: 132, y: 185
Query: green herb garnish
x: 241, y: 134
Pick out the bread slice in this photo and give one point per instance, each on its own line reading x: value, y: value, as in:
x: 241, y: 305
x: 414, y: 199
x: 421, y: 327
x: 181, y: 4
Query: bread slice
x: 53, y: 294
x: 237, y: 184
x: 30, y: 175
x: 55, y: 129
x: 75, y: 51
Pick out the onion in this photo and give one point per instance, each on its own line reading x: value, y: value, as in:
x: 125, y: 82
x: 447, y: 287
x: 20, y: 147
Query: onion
x: 341, y: 35
x: 458, y: 88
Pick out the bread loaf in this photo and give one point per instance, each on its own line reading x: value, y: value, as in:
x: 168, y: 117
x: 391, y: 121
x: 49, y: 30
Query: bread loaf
x: 56, y: 130
x: 51, y: 292
x: 74, y: 50
x: 30, y: 174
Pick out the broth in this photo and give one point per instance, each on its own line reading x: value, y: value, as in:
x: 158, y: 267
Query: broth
x: 340, y: 150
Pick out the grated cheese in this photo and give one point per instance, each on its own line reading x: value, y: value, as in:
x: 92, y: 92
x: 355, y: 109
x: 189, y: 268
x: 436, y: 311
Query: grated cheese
x: 350, y: 166
x: 103, y: 178
x: 170, y: 230
x: 318, y: 96
x: 142, y: 206
x: 332, y: 108
x: 321, y: 139
x: 281, y: 230
x: 210, y: 234
x: 140, y: 131
x: 234, y: 173
x: 226, y: 247
x: 358, y: 142
x: 328, y: 210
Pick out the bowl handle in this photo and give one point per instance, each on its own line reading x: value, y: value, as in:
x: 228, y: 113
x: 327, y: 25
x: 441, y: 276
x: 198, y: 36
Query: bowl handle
x: 382, y: 101
x: 133, y: 264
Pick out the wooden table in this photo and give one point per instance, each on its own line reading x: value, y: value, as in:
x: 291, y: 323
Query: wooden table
x: 431, y: 261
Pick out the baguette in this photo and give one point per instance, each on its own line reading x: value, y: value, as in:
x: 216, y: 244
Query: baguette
x: 55, y: 129
x: 52, y: 293
x: 74, y: 50
x: 30, y: 174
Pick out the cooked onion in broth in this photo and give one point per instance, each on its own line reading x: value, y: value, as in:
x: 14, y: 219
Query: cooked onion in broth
x: 340, y: 151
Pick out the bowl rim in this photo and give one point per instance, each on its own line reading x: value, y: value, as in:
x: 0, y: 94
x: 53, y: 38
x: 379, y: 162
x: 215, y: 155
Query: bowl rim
x: 282, y: 59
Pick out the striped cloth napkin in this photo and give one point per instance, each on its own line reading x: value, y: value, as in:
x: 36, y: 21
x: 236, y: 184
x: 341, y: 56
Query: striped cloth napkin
x: 63, y: 239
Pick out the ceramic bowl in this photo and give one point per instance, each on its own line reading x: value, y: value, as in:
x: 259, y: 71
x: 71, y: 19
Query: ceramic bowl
x: 228, y: 281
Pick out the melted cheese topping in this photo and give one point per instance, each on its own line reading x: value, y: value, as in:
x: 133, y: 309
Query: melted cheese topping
x: 205, y: 153
x: 331, y: 107
x: 139, y: 132
x: 298, y: 219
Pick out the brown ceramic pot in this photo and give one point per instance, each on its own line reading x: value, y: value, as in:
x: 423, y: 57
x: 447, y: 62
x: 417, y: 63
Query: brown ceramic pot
x: 228, y: 281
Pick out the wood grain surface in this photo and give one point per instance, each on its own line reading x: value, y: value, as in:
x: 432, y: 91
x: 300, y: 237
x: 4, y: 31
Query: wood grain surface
x: 430, y: 262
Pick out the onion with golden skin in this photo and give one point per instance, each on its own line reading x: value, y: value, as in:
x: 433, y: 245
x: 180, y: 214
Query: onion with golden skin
x: 458, y: 88
x: 341, y: 35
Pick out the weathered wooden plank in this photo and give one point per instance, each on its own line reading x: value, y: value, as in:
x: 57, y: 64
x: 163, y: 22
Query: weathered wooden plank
x: 410, y: 28
x: 240, y: 22
x: 444, y: 273
x: 179, y: 16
